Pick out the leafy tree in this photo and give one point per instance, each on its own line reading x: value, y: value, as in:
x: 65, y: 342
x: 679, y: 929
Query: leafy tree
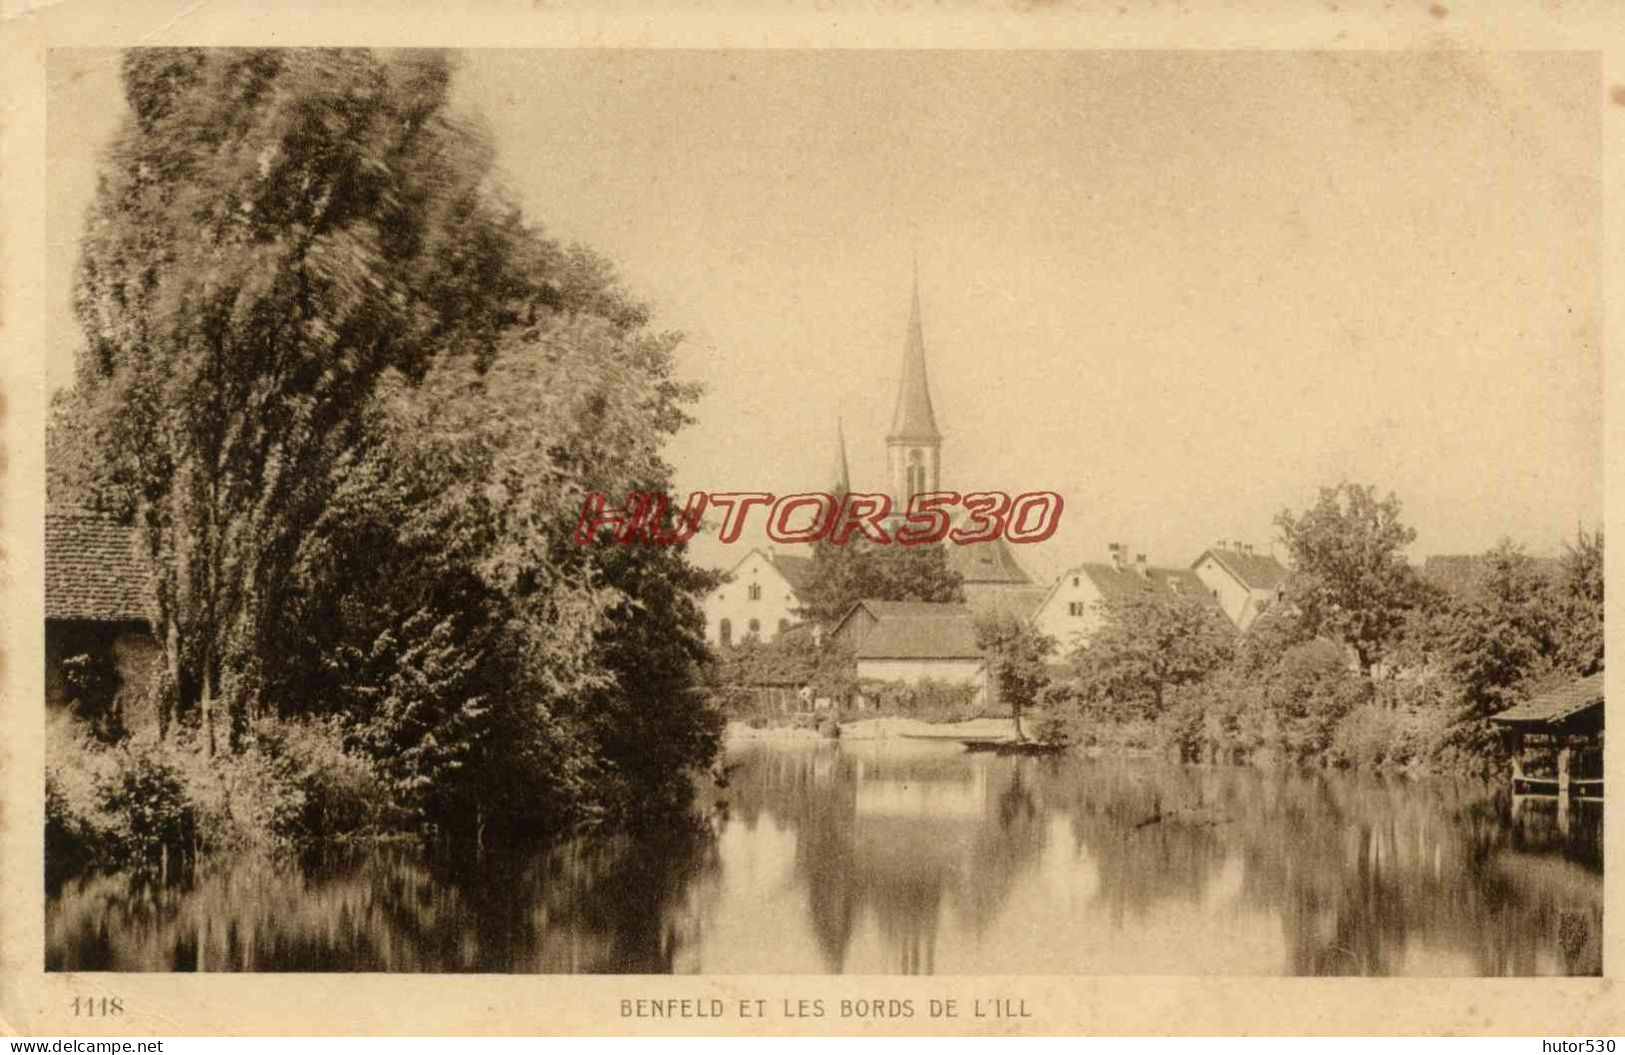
x: 355, y: 403
x: 1276, y: 630
x: 273, y: 230
x: 796, y: 657
x: 92, y: 682
x: 1016, y: 656
x: 1502, y: 633
x: 859, y: 570
x: 1148, y: 645
x: 1580, y: 628
x: 1351, y: 581
x: 1309, y: 691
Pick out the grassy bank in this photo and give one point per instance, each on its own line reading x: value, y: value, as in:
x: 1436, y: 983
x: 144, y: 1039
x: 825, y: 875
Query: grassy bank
x: 152, y: 804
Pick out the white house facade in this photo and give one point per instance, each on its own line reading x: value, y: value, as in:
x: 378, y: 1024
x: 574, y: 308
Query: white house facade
x: 1244, y: 582
x: 759, y: 598
x: 1074, y: 608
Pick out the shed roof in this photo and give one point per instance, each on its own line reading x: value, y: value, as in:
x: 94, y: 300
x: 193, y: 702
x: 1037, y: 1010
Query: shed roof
x: 94, y: 569
x: 1556, y: 706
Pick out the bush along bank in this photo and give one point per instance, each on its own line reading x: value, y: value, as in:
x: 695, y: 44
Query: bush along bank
x: 156, y: 805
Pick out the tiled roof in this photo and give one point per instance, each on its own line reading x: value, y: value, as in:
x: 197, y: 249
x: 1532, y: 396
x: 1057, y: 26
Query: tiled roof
x: 918, y: 630
x: 1126, y: 581
x: 1455, y: 573
x: 987, y: 562
x: 1018, y: 601
x: 93, y: 568
x: 1551, y: 708
x: 911, y: 609
x: 797, y: 571
x: 1256, y: 571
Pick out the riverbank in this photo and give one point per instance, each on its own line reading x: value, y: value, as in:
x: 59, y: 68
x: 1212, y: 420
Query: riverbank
x: 1070, y: 866
x: 878, y: 729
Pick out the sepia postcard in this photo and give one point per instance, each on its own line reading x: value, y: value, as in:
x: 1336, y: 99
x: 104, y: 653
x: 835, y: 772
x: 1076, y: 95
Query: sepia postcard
x: 809, y: 520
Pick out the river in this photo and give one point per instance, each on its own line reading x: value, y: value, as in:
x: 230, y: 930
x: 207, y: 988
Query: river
x: 906, y: 857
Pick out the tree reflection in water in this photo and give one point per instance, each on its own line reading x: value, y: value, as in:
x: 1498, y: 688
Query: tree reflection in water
x: 911, y: 858
x: 608, y: 905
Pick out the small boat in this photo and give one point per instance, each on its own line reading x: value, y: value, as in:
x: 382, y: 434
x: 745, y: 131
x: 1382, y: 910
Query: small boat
x: 1028, y: 747
x: 1014, y: 747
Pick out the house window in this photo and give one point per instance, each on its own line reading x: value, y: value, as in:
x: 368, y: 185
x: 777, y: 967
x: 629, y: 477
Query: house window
x: 755, y: 628
x: 725, y: 630
x: 916, y: 474
x: 755, y: 591
x: 1074, y: 608
x: 1074, y: 582
x: 784, y: 624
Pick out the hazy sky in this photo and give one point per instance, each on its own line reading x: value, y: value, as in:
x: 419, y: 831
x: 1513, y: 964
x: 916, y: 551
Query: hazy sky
x: 1182, y: 289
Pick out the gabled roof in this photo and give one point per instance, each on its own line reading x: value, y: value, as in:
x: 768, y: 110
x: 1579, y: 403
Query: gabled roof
x: 908, y: 609
x: 987, y: 562
x: 1557, y: 706
x: 1182, y: 582
x: 797, y: 571
x: 94, y: 569
x: 913, y: 418
x: 1125, y: 581
x: 917, y: 630
x: 1022, y: 602
x: 1256, y: 571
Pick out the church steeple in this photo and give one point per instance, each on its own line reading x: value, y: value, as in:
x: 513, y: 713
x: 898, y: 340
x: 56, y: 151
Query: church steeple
x: 914, y: 445
x: 842, y: 478
x: 913, y: 420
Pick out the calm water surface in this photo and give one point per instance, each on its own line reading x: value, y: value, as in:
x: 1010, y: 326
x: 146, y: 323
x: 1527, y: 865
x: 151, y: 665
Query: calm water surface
x: 908, y: 857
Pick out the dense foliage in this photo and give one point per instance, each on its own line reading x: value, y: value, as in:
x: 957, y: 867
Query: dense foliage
x: 1351, y: 582
x: 795, y: 658
x: 1366, y: 663
x: 860, y: 570
x: 353, y: 403
x: 1148, y: 646
x: 1017, y: 657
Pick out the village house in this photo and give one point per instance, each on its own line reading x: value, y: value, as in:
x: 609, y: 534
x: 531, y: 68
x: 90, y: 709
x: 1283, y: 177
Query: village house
x: 1244, y: 581
x: 1073, y: 610
x: 98, y: 603
x: 907, y: 642
x: 759, y: 599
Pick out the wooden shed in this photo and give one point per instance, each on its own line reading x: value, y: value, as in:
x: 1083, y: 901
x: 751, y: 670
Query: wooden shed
x: 1556, y: 742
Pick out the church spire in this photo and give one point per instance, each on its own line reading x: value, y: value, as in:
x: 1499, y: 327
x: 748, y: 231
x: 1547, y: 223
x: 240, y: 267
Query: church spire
x: 842, y: 478
x: 914, y: 420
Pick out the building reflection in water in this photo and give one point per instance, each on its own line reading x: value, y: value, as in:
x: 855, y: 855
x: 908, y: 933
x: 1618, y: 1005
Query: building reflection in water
x: 902, y: 857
